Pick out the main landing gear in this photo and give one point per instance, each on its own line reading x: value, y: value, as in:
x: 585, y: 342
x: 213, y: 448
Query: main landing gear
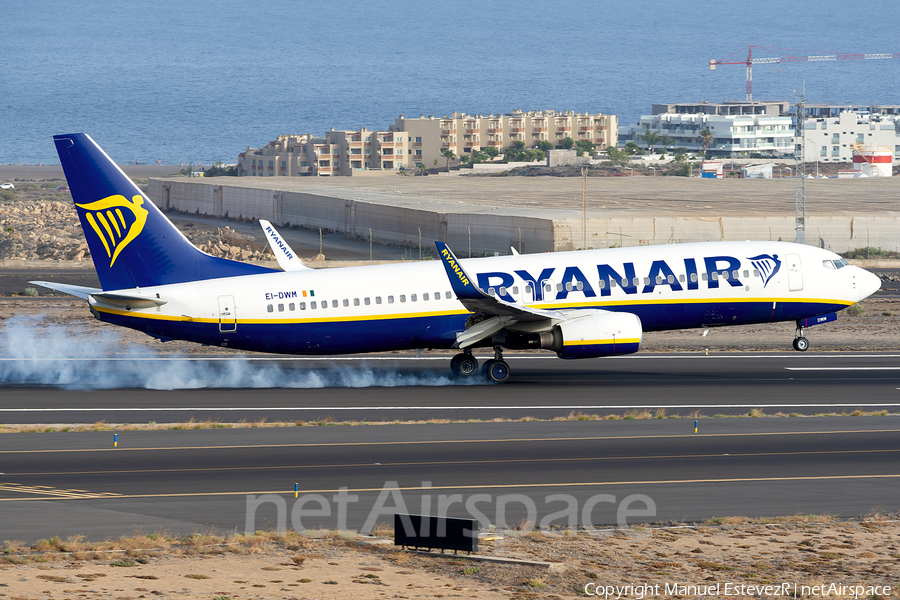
x: 466, y: 365
x: 800, y: 343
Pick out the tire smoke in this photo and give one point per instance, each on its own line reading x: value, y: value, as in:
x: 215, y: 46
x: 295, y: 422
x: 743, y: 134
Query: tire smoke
x: 37, y: 353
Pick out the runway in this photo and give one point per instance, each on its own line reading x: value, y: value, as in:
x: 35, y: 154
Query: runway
x: 562, y: 473
x: 402, y: 387
x: 565, y: 472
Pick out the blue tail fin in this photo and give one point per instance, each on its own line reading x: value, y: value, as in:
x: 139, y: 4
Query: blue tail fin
x: 132, y: 243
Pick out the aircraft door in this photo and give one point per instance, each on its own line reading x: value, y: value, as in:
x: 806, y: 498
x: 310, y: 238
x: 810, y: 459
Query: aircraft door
x: 227, y: 315
x: 795, y: 274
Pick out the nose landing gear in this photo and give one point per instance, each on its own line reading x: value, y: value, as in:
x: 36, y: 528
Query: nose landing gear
x: 800, y: 343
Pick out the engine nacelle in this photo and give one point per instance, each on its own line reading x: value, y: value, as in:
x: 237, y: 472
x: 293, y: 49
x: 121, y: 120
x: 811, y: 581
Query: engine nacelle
x: 597, y: 333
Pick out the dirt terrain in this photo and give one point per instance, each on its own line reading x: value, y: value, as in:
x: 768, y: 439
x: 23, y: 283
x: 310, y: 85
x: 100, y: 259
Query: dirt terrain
x: 802, y: 557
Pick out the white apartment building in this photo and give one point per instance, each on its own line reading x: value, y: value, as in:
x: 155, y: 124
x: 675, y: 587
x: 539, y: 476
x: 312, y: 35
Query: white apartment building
x: 830, y: 139
x: 462, y: 133
x: 338, y: 153
x: 733, y: 135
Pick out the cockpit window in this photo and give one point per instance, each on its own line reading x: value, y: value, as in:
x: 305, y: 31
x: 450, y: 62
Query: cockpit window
x: 840, y: 263
x: 828, y: 264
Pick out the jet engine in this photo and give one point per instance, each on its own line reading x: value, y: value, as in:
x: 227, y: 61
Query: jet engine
x: 597, y: 333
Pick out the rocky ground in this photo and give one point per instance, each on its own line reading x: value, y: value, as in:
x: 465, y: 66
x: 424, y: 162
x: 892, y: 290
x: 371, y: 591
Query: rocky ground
x: 38, y: 222
x: 801, y: 557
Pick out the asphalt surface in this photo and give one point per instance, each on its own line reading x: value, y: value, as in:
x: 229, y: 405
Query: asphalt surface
x: 395, y: 387
x: 597, y: 472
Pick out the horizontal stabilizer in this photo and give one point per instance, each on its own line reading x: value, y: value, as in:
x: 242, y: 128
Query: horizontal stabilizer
x: 129, y: 301
x: 74, y: 290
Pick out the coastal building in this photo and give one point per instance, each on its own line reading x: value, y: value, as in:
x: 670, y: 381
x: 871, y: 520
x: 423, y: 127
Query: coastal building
x: 338, y: 153
x: 831, y: 138
x: 463, y: 133
x: 409, y: 143
x: 732, y: 135
x: 777, y: 108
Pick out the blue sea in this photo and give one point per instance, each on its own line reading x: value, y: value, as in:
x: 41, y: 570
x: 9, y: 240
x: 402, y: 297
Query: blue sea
x: 199, y: 81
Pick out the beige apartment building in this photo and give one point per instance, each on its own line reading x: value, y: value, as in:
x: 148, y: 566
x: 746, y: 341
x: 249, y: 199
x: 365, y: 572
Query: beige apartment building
x: 464, y: 133
x: 338, y: 153
x: 422, y: 141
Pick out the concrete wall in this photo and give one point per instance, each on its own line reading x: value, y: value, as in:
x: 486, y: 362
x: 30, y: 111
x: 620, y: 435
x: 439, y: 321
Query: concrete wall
x: 483, y: 234
x: 479, y: 234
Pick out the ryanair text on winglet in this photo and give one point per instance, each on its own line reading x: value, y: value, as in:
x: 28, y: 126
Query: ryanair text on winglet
x: 459, y: 272
x: 279, y: 243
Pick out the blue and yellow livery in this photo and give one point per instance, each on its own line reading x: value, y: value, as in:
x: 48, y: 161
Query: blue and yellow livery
x: 578, y: 304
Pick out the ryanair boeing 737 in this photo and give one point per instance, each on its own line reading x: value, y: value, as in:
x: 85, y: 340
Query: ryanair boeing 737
x: 583, y: 304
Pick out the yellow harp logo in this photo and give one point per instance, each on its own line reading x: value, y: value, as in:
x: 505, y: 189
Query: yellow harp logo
x: 108, y: 218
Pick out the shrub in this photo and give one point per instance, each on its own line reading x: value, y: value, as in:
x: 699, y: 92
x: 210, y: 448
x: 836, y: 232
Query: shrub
x: 855, y: 310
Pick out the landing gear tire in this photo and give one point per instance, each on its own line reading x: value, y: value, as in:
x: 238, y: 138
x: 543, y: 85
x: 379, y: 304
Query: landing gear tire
x: 801, y: 344
x: 464, y: 365
x: 496, y: 370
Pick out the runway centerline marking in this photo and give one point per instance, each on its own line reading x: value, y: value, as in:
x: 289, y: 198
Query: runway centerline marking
x: 476, y: 487
x: 454, y: 462
x: 464, y: 441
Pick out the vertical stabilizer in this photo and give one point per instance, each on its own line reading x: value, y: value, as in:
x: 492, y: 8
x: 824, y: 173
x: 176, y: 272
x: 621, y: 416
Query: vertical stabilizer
x: 132, y: 243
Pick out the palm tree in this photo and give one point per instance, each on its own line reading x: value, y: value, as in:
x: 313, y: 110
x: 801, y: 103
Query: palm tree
x: 449, y: 155
x: 651, y: 138
x: 706, y: 138
x: 665, y: 141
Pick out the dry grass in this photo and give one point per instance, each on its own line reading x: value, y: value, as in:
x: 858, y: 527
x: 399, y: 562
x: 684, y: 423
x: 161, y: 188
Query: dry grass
x: 192, y: 424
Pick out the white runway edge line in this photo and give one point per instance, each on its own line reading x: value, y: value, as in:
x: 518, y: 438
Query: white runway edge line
x: 532, y: 407
x: 364, y: 358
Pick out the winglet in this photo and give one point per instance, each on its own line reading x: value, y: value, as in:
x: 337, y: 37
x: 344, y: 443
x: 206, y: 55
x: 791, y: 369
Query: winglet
x: 284, y: 254
x: 459, y: 280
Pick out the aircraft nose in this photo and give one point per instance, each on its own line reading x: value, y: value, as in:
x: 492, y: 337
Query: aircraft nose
x: 867, y: 284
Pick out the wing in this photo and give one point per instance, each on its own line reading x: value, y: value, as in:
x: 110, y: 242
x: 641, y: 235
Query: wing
x: 492, y: 313
x: 286, y: 257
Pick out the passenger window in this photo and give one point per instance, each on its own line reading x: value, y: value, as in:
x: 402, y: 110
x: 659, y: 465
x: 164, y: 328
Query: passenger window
x: 270, y: 308
x: 601, y: 284
x: 402, y: 297
x: 356, y: 302
x: 312, y: 304
x: 390, y: 299
x: 291, y: 306
x: 447, y: 295
x: 558, y: 287
x: 548, y: 288
x: 658, y: 280
x: 515, y: 290
x: 377, y: 299
x: 502, y: 291
x: 437, y: 295
x: 715, y: 276
x: 425, y: 297
x: 529, y: 289
x: 705, y: 276
x: 681, y: 278
x: 281, y: 308
x: 624, y: 282
x: 725, y: 275
x: 670, y: 279
x: 324, y: 304
x: 346, y: 303
x: 756, y: 273
x: 637, y: 281
x: 303, y: 306
x: 735, y: 274
x: 569, y: 286
x: 412, y: 297
x: 491, y: 292
x: 334, y: 303
x: 367, y: 301
x: 746, y: 273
